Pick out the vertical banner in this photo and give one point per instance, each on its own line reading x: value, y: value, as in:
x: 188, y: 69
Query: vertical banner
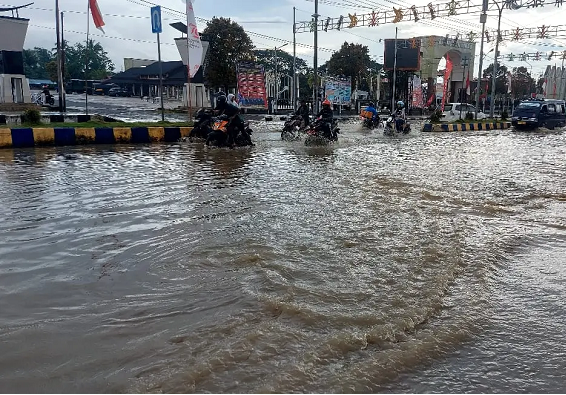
x: 194, y: 44
x: 251, y: 85
x: 447, y: 74
x: 417, y: 96
x: 338, y: 90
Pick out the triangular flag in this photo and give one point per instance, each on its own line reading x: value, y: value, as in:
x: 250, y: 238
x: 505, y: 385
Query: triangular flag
x: 96, y: 15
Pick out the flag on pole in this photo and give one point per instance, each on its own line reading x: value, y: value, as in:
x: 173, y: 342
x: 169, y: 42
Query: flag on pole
x: 96, y: 15
x: 193, y: 41
x: 468, y: 89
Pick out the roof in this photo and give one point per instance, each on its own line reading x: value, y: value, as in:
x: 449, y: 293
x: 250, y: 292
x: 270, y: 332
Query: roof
x: 174, y: 73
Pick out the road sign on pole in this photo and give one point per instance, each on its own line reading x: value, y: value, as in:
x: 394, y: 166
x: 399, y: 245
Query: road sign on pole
x: 156, y: 28
x: 156, y: 20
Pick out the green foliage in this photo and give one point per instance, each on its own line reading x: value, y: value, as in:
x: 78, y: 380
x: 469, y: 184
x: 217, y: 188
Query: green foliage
x: 501, y: 80
x: 34, y: 62
x: 284, y: 61
x: 228, y: 45
x: 31, y: 116
x: 41, y: 63
x: 436, y: 116
x: 352, y: 60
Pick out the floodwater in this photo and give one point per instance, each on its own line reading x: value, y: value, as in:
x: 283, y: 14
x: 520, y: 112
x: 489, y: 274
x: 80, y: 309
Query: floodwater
x: 425, y: 263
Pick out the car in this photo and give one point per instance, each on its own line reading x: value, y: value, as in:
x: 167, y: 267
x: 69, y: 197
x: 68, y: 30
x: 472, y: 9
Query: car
x: 531, y: 114
x: 452, y: 111
x: 119, y: 92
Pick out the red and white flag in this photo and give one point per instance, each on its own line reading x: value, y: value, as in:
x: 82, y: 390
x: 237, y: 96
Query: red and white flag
x: 96, y: 15
x: 193, y: 41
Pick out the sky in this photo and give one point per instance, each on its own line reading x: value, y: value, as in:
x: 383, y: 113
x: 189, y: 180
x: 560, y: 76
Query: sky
x: 270, y: 23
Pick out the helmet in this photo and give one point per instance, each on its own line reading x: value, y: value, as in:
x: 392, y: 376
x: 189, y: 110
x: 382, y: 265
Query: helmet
x: 221, y: 99
x: 220, y: 94
x: 400, y: 103
x: 326, y: 102
x: 372, y: 105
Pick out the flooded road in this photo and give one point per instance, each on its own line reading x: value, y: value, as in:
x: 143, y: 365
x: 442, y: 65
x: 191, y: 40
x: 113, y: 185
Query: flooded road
x: 427, y: 263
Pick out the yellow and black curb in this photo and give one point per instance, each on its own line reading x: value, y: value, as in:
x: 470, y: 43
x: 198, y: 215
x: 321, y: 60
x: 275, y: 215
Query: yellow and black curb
x: 463, y: 127
x: 33, y: 137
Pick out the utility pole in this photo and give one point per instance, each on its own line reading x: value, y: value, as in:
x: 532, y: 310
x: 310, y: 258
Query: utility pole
x: 59, y: 57
x: 462, y: 90
x: 276, y: 83
x: 495, y: 63
x: 483, y: 20
x: 294, y: 95
x: 63, y: 64
x: 394, y: 75
x: 315, y: 62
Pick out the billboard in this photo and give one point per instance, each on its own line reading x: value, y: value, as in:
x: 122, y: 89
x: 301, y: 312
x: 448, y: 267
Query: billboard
x: 408, y: 54
x: 338, y: 91
x: 251, y: 85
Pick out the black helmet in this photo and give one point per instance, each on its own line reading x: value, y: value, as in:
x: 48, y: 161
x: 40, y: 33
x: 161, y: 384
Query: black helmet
x: 220, y: 94
x: 371, y: 104
x: 221, y: 99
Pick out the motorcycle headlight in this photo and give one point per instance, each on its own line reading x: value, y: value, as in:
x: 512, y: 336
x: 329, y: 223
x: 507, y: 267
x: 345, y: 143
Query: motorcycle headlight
x: 532, y: 119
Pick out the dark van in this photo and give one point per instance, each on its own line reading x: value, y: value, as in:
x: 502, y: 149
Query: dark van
x: 531, y: 114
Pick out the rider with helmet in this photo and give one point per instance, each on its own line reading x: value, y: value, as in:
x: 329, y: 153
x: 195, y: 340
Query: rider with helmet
x: 303, y: 111
x: 327, y: 117
x: 235, y: 122
x: 375, y: 115
x: 400, y: 117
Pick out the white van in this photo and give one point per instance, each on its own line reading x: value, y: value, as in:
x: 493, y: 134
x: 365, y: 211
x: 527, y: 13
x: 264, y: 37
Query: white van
x: 452, y: 111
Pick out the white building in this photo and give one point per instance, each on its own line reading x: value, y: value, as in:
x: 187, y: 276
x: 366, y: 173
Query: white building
x: 14, y: 86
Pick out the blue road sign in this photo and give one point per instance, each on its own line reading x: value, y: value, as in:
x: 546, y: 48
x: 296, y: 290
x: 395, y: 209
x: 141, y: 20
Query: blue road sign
x: 156, y: 19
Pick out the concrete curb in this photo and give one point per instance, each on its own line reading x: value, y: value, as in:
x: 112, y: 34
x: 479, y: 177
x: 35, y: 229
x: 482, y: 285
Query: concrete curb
x: 44, y: 136
x: 462, y: 127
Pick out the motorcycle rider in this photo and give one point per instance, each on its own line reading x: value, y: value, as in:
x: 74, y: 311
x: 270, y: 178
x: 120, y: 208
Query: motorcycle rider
x: 304, y: 111
x: 235, y: 122
x: 375, y: 115
x: 327, y: 117
x: 400, y: 117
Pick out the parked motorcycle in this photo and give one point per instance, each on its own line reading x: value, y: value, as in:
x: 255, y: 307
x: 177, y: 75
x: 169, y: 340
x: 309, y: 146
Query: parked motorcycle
x: 218, y: 137
x: 317, y: 136
x: 292, y: 128
x: 203, y: 124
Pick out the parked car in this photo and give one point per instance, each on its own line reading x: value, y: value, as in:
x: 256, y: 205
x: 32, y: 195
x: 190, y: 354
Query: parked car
x: 531, y: 114
x: 452, y: 111
x: 119, y: 92
x: 102, y: 89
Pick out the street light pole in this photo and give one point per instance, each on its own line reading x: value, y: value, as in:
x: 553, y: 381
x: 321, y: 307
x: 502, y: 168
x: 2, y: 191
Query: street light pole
x: 276, y: 79
x: 483, y: 19
x: 315, y: 61
x: 294, y: 95
x: 59, y: 58
x: 495, y: 64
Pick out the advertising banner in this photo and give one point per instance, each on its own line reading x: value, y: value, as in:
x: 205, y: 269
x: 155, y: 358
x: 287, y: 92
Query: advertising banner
x: 417, y: 96
x: 338, y: 91
x: 447, y: 74
x: 251, y: 85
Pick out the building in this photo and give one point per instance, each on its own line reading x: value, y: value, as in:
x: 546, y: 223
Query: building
x: 130, y: 63
x: 14, y: 86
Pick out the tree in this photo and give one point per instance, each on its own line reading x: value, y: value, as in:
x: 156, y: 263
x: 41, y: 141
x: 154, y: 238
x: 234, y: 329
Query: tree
x: 284, y: 61
x: 35, y: 61
x: 501, y: 78
x: 76, y: 56
x: 352, y: 60
x: 228, y: 45
x: 523, y: 83
x: 51, y: 69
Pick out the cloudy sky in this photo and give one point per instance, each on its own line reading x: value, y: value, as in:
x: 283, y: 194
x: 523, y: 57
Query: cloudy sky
x: 269, y: 24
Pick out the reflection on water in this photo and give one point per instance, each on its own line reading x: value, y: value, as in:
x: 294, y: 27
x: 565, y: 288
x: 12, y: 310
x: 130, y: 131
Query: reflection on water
x: 373, y: 265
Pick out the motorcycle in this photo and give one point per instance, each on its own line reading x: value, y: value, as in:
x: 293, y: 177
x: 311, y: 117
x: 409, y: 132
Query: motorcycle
x: 218, y: 137
x: 292, y: 128
x: 317, y: 136
x: 370, y: 123
x: 203, y: 124
x: 391, y: 127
